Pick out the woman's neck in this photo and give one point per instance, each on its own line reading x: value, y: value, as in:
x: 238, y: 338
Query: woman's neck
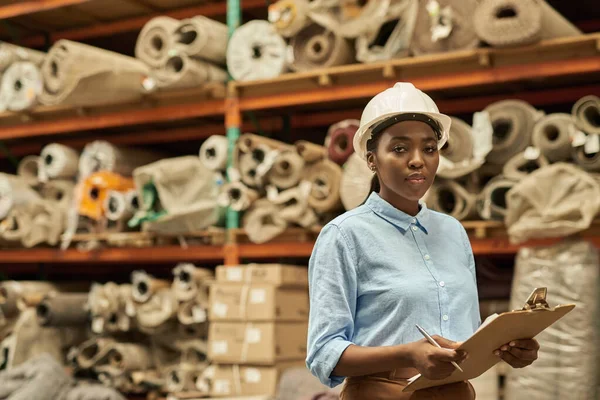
x: 407, y: 206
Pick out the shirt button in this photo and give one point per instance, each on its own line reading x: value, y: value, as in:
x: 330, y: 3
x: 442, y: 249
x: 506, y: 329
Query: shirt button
x: 414, y: 228
x: 442, y: 284
x: 445, y: 318
x: 427, y: 257
x: 414, y: 221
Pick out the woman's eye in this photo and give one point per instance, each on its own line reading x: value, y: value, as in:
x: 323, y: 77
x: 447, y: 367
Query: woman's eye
x: 430, y: 150
x: 399, y: 149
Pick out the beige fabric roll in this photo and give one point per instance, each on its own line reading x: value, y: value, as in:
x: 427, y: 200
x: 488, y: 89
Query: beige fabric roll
x: 21, y: 87
x: 294, y: 203
x: 111, y: 307
x: 182, y: 378
x: 588, y: 161
x: 586, y: 112
x: 153, y: 316
x: 349, y: 18
x: 289, y: 16
x: 116, y: 208
x: 202, y: 37
x: 48, y: 221
x: 10, y: 54
x: 155, y: 40
x: 454, y: 14
x: 82, y: 75
x: 314, y: 47
x: 14, y: 191
x: 459, y: 156
x: 180, y: 71
x: 310, y: 152
x: 145, y: 286
x: 94, y: 352
x: 249, y: 141
x: 248, y: 165
x: 491, y: 202
x: 28, y: 170
x: 356, y: 180
x: 551, y: 134
x: 58, y: 162
x: 513, y: 122
x: 60, y: 192
x: 325, y: 178
x: 100, y: 155
x: 197, y: 217
x: 190, y: 281
x: 192, y: 313
x: 519, y: 167
x: 130, y: 357
x: 287, y: 170
x: 237, y: 196
x: 12, y: 292
x: 63, y: 310
x: 555, y: 201
x: 262, y: 222
x: 449, y: 197
x: 213, y: 153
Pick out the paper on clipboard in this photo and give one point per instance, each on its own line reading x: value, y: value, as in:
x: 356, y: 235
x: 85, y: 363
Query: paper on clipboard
x: 497, y: 331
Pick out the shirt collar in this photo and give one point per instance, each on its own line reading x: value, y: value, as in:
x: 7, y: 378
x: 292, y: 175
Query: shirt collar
x: 394, y: 216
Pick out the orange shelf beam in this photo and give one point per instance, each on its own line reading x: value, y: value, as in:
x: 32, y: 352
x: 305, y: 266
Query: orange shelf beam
x: 34, y: 6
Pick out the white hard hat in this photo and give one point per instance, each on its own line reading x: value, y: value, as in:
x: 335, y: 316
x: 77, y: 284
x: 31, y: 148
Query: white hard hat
x: 401, y: 102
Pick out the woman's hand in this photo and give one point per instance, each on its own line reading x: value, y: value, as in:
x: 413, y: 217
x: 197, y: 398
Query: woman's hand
x: 433, y: 362
x: 519, y: 353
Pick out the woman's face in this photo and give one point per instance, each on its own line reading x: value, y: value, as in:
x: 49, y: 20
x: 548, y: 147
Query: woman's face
x: 406, y: 159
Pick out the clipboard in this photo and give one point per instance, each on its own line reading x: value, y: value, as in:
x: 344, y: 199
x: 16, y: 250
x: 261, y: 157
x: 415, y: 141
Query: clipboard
x: 496, y: 331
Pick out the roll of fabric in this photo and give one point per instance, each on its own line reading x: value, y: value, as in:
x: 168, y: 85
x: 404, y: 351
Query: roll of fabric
x: 356, y: 180
x: 82, y: 75
x: 519, y: 167
x: 289, y: 16
x: 21, y: 87
x: 11, y: 292
x: 287, y: 170
x: 111, y: 307
x: 491, y: 202
x: 192, y: 314
x: 350, y: 19
x: 589, y: 161
x: 10, y: 54
x: 555, y: 201
x: 155, y: 40
x: 315, y: 47
x: 201, y: 37
x: 310, y: 152
x: 190, y: 280
x: 256, y: 51
x: 48, y: 223
x: 130, y: 357
x: 458, y: 156
x: 504, y: 23
x: 180, y: 71
x: 144, y: 286
x: 249, y: 141
x: 58, y: 162
x: 63, y: 310
x: 341, y: 135
x: 551, y: 134
x: 116, y: 207
x: 152, y: 317
x: 93, y: 352
x: 586, y: 112
x: 213, y: 153
x: 94, y: 190
x: 449, y: 197
x: 14, y: 191
x: 262, y: 222
x: 393, y: 37
x: 28, y: 170
x: 60, y: 192
x: 325, y: 177
x: 93, y: 392
x: 449, y: 29
x: 248, y: 165
x: 513, y: 122
x: 182, y: 378
x: 101, y: 155
x: 237, y: 196
x: 294, y: 203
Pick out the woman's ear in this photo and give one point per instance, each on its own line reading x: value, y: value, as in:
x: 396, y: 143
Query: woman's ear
x: 371, y: 161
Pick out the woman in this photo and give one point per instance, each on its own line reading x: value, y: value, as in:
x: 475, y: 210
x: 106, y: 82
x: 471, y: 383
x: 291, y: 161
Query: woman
x: 380, y: 269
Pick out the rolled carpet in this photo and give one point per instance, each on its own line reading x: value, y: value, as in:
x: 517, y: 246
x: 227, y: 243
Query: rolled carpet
x: 449, y: 197
x: 182, y: 378
x: 356, y: 180
x: 94, y: 352
x: 341, y: 135
x: 28, y: 170
x: 289, y: 16
x: 237, y: 196
x: 249, y: 141
x: 262, y: 222
x: 589, y: 161
x: 116, y: 208
x: 256, y: 51
x: 448, y: 30
x: 94, y: 190
x: 58, y: 162
x: 310, y: 152
x: 144, y: 286
x: 60, y: 192
x: 63, y: 310
x: 315, y: 47
x: 190, y: 280
x: 491, y: 202
x: 287, y: 170
x: 201, y: 37
x: 586, y: 112
x: 325, y: 177
x: 551, y: 134
x: 180, y: 71
x: 458, y: 156
x: 513, y: 122
x: 21, y: 87
x: 349, y: 19
x: 152, y: 317
x: 294, y: 203
x: 14, y: 191
x: 155, y: 40
x: 10, y: 54
x: 82, y: 75
x: 213, y: 153
x: 130, y: 357
x: 520, y: 166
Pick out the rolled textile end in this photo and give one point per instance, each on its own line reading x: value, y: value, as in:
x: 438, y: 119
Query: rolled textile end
x: 144, y: 286
x: 449, y: 197
x: 341, y: 136
x: 552, y: 135
x: 213, y: 153
x: 310, y: 152
x: 491, y: 202
x: 521, y: 165
x: 325, y: 177
x: 586, y: 112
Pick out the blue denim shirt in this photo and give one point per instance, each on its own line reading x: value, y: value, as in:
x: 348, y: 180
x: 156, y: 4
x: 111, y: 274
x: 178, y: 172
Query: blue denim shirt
x: 376, y: 271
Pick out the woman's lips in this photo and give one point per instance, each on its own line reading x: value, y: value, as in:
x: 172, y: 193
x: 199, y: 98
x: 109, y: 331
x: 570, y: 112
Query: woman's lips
x: 416, y: 180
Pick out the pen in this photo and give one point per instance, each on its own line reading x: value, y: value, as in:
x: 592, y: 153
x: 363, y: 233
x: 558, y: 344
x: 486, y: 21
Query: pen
x: 433, y: 342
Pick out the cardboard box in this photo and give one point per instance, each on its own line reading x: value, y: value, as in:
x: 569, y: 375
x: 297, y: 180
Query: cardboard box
x: 276, y: 274
x: 257, y: 302
x: 260, y: 343
x: 248, y: 380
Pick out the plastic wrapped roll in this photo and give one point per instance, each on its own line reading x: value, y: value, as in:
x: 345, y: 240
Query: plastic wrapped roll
x: 202, y: 37
x: 262, y: 222
x: 94, y: 190
x: 213, y: 153
x: 341, y: 135
x: 587, y: 114
x: 393, y: 38
x: 58, y: 162
x: 325, y: 177
x: 256, y: 51
x: 237, y: 196
x: 145, y: 286
x: 63, y: 310
x: 21, y: 87
x: 589, y: 161
x: 520, y: 166
x: 310, y: 152
x: 181, y: 72
x: 10, y: 54
x: 504, y: 23
x: 513, y: 122
x: 28, y: 170
x: 155, y: 40
x: 82, y: 75
x: 356, y: 182
x: 100, y: 155
x: 14, y: 191
x: 491, y: 202
x: 449, y: 29
x: 190, y: 280
x: 314, y: 47
x: 552, y: 136
x: 451, y: 198
x: 287, y: 170
x: 289, y: 16
x: 350, y: 18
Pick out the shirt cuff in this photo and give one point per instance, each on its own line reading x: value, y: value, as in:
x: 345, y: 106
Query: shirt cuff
x: 323, y: 367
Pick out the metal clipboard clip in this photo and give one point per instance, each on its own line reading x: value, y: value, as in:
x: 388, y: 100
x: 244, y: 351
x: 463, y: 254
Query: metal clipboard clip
x: 537, y: 300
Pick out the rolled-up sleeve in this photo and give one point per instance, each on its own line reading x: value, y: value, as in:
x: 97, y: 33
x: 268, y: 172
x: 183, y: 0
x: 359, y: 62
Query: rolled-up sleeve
x: 333, y: 287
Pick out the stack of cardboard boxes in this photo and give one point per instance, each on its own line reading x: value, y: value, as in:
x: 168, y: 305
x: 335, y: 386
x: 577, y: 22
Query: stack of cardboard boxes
x: 259, y: 323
